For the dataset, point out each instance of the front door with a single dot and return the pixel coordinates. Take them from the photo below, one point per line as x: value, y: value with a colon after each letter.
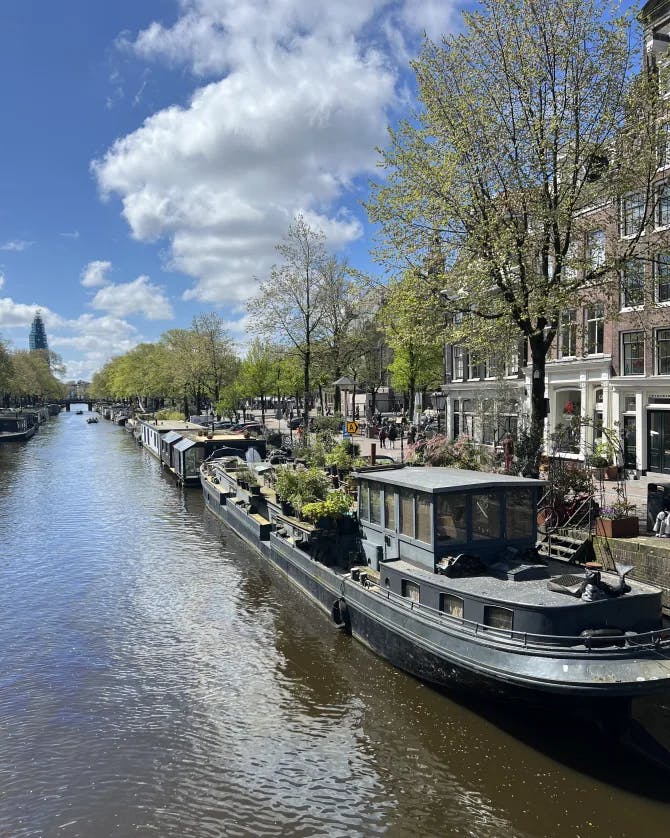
x: 629, y: 442
x: 658, y: 422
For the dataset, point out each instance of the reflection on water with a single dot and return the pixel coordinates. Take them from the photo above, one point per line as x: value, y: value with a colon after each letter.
x: 159, y: 678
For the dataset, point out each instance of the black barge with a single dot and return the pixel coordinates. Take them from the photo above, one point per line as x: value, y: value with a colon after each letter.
x: 438, y: 573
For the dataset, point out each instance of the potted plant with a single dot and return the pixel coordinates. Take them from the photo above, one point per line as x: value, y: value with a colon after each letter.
x: 618, y: 520
x: 597, y: 463
x: 325, y: 513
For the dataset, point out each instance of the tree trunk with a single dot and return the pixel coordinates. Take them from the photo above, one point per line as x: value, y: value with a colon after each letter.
x: 538, y: 407
x: 262, y: 409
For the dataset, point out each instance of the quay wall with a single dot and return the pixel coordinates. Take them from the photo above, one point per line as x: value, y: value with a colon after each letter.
x: 650, y: 560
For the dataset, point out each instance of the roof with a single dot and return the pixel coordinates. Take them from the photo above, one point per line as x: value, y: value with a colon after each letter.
x: 184, y: 444
x: 171, y: 436
x: 447, y: 479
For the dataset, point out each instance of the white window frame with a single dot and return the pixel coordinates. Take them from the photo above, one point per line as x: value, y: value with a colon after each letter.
x: 633, y: 205
x: 623, y: 353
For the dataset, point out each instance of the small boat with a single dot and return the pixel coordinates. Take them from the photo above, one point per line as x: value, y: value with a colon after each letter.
x: 79, y: 412
x: 92, y: 420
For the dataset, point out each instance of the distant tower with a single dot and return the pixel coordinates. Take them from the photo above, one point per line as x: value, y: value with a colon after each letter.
x: 38, y: 335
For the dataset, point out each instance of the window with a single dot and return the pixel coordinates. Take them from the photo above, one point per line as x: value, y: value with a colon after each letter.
x: 364, y: 502
x: 389, y: 508
x: 411, y: 590
x: 407, y: 513
x: 567, y: 341
x: 519, y: 513
x: 663, y: 352
x: 629, y: 404
x: 595, y: 249
x: 451, y: 605
x: 594, y: 329
x: 375, y: 504
x: 424, y: 518
x: 499, y: 618
x: 662, y: 277
x: 633, y: 353
x: 664, y: 78
x: 663, y: 205
x: 632, y: 283
x: 632, y: 214
x: 458, y: 361
x: 485, y: 516
x: 512, y: 364
x: 473, y: 367
x: 451, y: 518
x: 664, y: 145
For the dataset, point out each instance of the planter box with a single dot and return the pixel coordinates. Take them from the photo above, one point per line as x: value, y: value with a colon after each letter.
x: 617, y: 527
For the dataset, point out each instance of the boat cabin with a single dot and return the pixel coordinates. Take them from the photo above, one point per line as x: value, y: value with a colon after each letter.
x: 423, y: 515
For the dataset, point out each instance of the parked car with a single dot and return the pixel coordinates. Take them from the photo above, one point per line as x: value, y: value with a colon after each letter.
x: 296, y: 422
x: 248, y: 427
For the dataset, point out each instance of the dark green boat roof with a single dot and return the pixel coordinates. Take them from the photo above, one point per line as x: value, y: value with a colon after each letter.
x: 435, y: 480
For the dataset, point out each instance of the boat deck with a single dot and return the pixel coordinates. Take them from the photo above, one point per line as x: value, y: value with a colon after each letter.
x: 528, y: 593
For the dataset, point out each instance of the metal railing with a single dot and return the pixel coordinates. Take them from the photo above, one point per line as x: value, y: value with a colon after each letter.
x: 657, y: 640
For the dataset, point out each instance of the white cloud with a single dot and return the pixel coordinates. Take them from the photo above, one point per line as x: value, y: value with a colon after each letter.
x: 2, y: 279
x: 16, y: 245
x: 301, y: 95
x: 74, y: 234
x: 137, y: 297
x: 17, y: 315
x: 95, y: 274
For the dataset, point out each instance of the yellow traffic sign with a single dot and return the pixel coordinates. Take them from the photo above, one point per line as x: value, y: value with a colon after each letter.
x: 352, y: 427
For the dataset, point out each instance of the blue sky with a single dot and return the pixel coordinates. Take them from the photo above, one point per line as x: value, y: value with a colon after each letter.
x: 153, y: 152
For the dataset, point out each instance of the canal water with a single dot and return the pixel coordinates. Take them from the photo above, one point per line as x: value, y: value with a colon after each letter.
x: 157, y: 678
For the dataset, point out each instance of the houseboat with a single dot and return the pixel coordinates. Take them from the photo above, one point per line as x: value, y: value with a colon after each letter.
x: 438, y: 573
x: 182, y: 447
x: 17, y: 427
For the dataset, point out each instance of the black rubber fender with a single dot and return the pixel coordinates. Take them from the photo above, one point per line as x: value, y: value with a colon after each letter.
x: 340, y: 615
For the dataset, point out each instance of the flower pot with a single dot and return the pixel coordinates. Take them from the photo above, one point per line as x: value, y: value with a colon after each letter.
x: 255, y: 490
x: 617, y: 527
x: 612, y: 472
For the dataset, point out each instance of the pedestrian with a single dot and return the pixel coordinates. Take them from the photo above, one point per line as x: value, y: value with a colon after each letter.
x: 393, y: 434
x: 382, y: 437
x: 508, y: 451
x: 411, y: 434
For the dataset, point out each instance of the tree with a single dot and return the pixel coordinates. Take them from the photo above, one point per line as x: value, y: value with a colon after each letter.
x: 290, y: 306
x: 529, y: 116
x: 257, y: 373
x: 413, y: 336
x: 5, y: 368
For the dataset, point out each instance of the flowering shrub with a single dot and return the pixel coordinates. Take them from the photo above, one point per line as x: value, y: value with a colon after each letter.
x: 619, y: 509
x: 440, y: 451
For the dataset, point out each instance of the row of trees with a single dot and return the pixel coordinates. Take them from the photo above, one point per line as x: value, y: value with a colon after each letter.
x: 315, y: 321
x: 29, y: 377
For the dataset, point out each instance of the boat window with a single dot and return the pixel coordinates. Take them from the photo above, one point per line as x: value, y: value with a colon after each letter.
x: 497, y: 617
x: 389, y: 508
x: 519, y: 513
x: 375, y: 503
x: 451, y: 605
x: 364, y: 501
x: 451, y: 520
x: 485, y: 515
x: 406, y: 513
x: 410, y: 590
x: 387, y: 582
x: 424, y: 517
